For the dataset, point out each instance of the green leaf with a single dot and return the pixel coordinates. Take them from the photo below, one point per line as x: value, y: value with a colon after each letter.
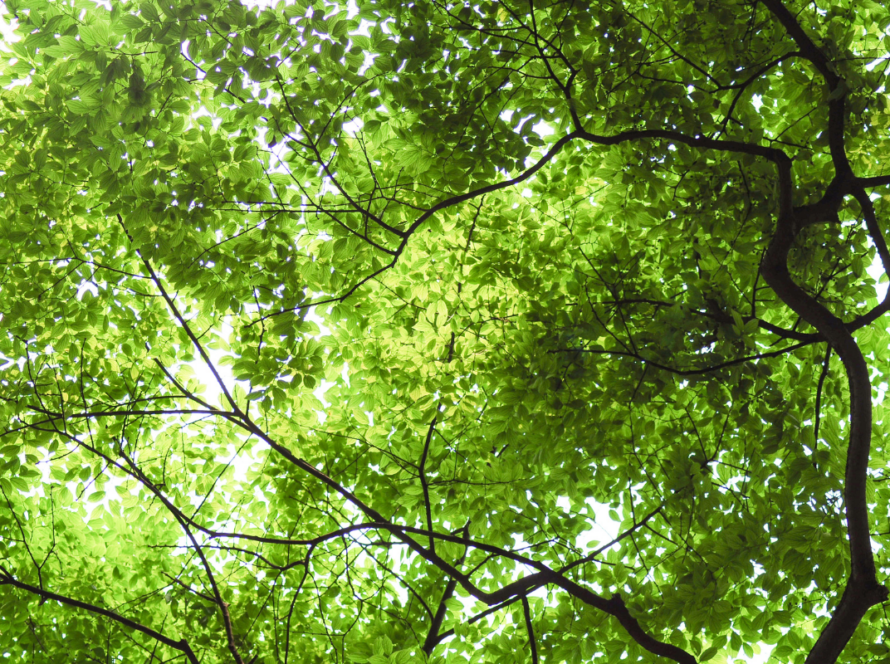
x: 332, y: 349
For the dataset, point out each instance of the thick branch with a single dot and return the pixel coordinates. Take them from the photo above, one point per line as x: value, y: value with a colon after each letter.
x: 862, y: 590
x: 182, y: 646
x: 836, y: 105
x: 702, y: 142
x: 808, y: 48
x: 876, y: 181
x: 533, y: 644
x: 433, y: 638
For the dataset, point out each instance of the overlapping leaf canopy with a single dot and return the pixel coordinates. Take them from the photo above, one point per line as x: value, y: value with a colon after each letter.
x: 572, y: 259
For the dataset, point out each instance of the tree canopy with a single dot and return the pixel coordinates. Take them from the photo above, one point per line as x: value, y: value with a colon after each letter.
x: 400, y: 332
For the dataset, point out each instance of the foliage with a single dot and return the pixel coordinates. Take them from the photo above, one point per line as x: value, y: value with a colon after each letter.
x: 571, y: 259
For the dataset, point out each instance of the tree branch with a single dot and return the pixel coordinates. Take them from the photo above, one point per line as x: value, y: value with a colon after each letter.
x: 862, y: 590
x: 533, y: 645
x: 818, y: 415
x: 425, y: 485
x: 182, y: 646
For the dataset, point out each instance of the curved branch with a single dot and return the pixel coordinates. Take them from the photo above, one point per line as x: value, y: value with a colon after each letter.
x: 862, y: 590
x: 182, y: 645
x: 871, y: 224
x: 835, y: 84
x: 425, y: 485
x: 772, y: 154
x: 807, y: 46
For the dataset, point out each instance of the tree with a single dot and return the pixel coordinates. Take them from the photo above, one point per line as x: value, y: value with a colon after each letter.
x: 570, y: 258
